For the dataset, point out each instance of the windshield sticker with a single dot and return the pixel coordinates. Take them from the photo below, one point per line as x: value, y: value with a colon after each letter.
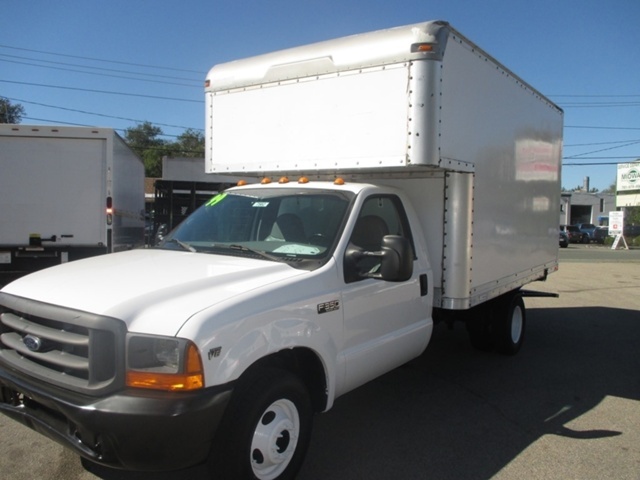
x: 217, y: 199
x: 260, y: 204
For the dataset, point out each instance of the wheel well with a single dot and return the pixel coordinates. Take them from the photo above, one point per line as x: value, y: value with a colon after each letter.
x: 477, y: 312
x: 306, y: 365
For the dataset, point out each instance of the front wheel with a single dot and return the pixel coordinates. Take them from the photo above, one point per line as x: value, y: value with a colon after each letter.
x: 266, y: 429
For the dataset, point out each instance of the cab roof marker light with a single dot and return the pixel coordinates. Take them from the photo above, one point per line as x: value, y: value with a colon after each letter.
x: 338, y: 181
x: 265, y: 181
x: 303, y: 180
x: 283, y: 180
x: 241, y: 183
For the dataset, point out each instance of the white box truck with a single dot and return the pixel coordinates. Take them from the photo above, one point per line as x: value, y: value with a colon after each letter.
x: 66, y: 193
x: 409, y: 178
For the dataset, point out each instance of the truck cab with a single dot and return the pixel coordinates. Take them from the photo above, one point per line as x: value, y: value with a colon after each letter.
x: 347, y: 258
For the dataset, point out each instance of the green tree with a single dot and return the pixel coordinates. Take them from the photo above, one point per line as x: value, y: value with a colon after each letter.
x: 190, y: 144
x: 10, y: 113
x: 144, y: 140
x: 632, y: 215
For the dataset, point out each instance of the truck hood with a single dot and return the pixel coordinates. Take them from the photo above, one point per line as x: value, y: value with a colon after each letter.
x: 150, y: 290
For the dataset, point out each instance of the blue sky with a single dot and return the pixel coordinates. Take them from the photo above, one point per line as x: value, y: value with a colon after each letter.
x: 583, y: 54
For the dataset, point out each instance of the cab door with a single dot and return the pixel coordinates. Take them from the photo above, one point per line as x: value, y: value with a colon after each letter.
x: 385, y: 323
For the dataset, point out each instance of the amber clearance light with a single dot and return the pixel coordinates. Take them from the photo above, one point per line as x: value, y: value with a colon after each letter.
x: 422, y: 47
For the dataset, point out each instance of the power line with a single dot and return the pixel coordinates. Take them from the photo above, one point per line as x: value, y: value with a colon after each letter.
x: 103, y: 91
x: 595, y: 164
x: 58, y: 122
x: 123, y: 130
x: 604, y: 149
x: 101, y: 114
x: 600, y: 105
x: 602, y: 128
x: 102, y: 60
x: 595, y: 96
x: 101, y: 74
x: 598, y: 143
x: 624, y: 157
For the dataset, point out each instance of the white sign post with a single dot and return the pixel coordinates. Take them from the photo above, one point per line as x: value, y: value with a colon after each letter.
x: 616, y: 228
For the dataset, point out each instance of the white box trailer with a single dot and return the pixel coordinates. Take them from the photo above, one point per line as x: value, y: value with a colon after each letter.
x: 66, y: 193
x: 421, y: 108
x: 412, y: 179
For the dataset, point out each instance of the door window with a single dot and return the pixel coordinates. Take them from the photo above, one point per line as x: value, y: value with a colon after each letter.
x: 380, y: 215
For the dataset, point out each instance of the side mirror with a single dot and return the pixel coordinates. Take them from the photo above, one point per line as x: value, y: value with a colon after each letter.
x: 394, y: 261
x: 163, y: 229
x: 397, y: 259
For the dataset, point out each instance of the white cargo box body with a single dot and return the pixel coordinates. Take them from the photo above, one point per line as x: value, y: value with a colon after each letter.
x: 56, y: 180
x: 420, y: 108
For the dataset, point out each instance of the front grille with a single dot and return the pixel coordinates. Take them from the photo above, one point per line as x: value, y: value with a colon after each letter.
x: 69, y: 348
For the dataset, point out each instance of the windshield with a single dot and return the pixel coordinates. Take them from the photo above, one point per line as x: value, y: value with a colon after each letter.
x: 273, y: 224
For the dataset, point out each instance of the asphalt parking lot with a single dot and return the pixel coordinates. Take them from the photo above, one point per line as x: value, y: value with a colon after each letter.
x: 566, y: 407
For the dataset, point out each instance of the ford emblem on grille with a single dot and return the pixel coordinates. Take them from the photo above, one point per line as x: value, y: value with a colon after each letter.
x: 32, y: 342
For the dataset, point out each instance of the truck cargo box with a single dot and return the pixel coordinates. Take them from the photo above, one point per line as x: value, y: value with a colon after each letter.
x: 66, y: 193
x: 420, y: 108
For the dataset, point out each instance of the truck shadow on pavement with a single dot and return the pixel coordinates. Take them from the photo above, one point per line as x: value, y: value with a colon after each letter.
x: 457, y: 413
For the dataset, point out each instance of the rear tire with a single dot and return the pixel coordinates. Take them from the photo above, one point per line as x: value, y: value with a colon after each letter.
x: 266, y: 429
x: 479, y: 328
x: 508, y: 324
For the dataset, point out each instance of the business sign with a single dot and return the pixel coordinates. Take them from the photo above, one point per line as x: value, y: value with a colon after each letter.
x: 628, y: 177
x: 616, y: 223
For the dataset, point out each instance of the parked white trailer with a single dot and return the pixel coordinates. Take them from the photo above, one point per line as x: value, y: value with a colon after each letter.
x: 409, y: 178
x: 66, y: 193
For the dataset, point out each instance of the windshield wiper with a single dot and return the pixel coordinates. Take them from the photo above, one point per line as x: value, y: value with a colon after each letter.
x: 184, y: 245
x: 263, y: 254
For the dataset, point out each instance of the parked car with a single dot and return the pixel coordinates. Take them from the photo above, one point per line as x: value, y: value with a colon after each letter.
x: 589, y: 229
x: 631, y: 231
x: 574, y: 233
x: 564, y: 239
x: 600, y: 234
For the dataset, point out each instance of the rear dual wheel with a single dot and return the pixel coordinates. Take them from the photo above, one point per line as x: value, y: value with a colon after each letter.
x: 509, y: 322
x: 500, y: 325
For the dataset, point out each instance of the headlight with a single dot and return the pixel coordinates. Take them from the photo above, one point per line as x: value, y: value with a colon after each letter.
x: 163, y: 363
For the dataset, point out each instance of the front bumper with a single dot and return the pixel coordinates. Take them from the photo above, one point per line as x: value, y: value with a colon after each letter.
x: 132, y: 430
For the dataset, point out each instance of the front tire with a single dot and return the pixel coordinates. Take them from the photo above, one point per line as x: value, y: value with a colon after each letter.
x: 266, y: 429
